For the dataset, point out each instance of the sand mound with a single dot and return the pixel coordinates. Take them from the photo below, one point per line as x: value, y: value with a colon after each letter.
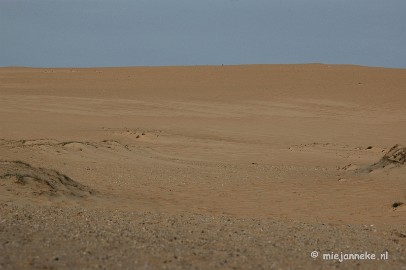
x: 21, y: 178
x: 395, y: 157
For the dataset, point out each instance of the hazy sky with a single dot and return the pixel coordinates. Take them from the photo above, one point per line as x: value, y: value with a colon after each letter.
x: 82, y: 33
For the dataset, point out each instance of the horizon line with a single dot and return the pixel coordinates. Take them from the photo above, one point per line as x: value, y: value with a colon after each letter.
x: 201, y: 65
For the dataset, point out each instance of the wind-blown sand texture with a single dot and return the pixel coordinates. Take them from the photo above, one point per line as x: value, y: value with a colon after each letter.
x: 205, y: 167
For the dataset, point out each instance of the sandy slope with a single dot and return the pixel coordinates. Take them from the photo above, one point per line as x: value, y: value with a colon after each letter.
x: 254, y: 158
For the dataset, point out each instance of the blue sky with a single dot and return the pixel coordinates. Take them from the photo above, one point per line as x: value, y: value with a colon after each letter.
x: 85, y: 33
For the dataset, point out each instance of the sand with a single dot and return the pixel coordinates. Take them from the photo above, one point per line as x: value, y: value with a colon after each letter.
x: 203, y: 167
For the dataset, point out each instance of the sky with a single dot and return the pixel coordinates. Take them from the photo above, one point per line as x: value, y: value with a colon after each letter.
x: 89, y: 33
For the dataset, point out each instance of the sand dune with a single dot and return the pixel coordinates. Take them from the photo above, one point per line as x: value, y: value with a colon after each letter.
x: 39, y: 181
x: 206, y: 167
